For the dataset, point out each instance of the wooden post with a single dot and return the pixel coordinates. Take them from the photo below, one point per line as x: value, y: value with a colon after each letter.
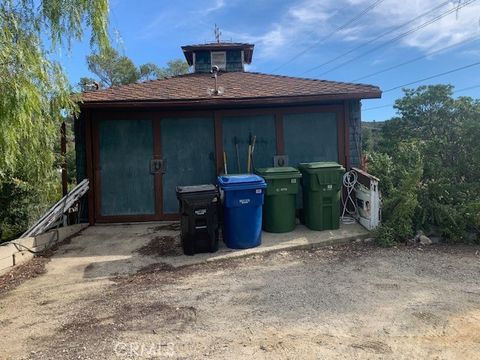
x: 63, y: 150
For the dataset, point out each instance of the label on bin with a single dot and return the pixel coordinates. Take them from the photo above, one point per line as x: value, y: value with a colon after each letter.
x: 258, y: 191
x: 200, y: 212
x: 293, y: 181
x: 244, y: 201
x: 281, y: 189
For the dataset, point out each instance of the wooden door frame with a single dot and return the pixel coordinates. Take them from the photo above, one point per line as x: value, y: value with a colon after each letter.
x: 93, y: 117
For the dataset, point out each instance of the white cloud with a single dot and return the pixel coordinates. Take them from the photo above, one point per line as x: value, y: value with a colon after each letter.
x: 307, y: 22
x: 218, y: 4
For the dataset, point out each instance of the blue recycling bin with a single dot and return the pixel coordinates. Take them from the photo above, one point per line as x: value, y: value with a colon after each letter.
x: 242, y: 210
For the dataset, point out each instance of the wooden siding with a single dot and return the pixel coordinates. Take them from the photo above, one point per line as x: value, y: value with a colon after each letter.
x: 311, y: 137
x: 203, y: 61
x: 188, y: 149
x: 127, y: 186
x: 354, y: 132
x: 234, y: 60
x: 241, y: 128
x: 270, y: 125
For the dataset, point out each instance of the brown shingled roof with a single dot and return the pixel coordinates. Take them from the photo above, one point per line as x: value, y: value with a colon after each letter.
x: 240, y: 87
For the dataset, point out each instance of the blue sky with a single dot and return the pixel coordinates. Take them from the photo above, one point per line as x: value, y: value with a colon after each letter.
x: 294, y: 37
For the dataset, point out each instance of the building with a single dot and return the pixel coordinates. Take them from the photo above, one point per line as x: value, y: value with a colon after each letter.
x: 137, y: 142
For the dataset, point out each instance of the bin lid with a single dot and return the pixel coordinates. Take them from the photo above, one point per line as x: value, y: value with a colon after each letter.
x: 320, y: 166
x: 243, y: 181
x: 196, y: 189
x: 279, y: 172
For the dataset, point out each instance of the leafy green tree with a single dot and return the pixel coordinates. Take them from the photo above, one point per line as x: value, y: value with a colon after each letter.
x: 174, y: 68
x: 34, y: 89
x: 441, y: 180
x: 113, y: 69
x: 35, y: 97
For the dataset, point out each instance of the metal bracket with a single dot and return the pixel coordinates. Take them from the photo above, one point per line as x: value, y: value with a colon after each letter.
x: 157, y: 166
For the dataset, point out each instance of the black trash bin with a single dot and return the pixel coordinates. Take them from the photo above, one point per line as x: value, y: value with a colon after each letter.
x: 199, y: 210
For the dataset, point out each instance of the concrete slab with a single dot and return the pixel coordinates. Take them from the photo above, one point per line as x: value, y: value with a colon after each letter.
x: 300, y: 238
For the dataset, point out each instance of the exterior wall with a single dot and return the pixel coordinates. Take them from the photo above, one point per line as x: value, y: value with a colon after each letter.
x: 355, y: 132
x: 192, y: 143
x: 203, y: 62
x: 311, y: 137
x: 80, y: 148
x: 234, y: 60
x: 188, y: 150
x: 239, y: 129
x: 81, y: 160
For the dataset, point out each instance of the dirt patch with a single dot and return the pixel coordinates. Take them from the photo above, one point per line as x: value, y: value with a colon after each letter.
x: 162, y: 246
x: 173, y: 227
x: 376, y: 347
x: 357, y: 300
x: 21, y: 273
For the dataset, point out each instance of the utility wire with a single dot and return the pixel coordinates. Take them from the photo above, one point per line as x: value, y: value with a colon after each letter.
x: 341, y: 27
x: 377, y: 38
x: 401, y: 36
x: 390, y: 105
x: 433, y: 76
x: 417, y: 58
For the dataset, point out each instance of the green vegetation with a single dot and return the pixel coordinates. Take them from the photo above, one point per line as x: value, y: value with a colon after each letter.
x: 427, y: 160
x: 35, y: 97
x: 113, y: 69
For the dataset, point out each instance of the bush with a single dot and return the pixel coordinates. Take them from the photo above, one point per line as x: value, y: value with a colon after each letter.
x: 429, y: 178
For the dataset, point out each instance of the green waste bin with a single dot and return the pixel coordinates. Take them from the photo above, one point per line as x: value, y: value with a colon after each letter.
x: 321, y: 186
x: 280, y: 198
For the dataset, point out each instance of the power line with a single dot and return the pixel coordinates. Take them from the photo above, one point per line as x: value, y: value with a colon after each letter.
x: 390, y: 105
x: 377, y: 38
x: 434, y: 76
x: 475, y: 38
x: 401, y: 36
x: 341, y: 27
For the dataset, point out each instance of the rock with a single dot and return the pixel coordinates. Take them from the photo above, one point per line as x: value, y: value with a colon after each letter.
x: 435, y: 239
x: 424, y: 240
x: 368, y: 240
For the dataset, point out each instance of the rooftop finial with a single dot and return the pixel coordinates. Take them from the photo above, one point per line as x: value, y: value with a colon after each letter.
x: 217, y: 33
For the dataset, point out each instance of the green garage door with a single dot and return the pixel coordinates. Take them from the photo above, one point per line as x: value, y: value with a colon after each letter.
x: 240, y: 128
x: 126, y: 148
x: 311, y: 137
x: 188, y: 149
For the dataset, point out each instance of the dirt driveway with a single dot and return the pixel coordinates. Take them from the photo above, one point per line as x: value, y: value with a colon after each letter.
x: 355, y: 301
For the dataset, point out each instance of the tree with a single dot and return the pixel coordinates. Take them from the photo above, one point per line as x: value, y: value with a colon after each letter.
x: 113, y: 69
x: 442, y: 180
x: 174, y: 68
x: 34, y: 89
x: 35, y: 96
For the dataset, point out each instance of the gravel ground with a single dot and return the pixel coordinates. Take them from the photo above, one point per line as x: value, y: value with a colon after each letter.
x: 350, y: 302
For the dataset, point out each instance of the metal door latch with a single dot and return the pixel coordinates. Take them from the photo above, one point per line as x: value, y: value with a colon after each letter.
x: 157, y: 166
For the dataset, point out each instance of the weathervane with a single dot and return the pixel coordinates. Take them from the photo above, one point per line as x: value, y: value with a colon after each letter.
x: 217, y: 33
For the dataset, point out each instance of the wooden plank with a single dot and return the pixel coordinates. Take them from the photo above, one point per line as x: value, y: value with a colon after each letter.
x: 218, y: 142
x: 126, y: 150
x: 279, y: 133
x: 157, y: 154
x: 188, y: 149
x: 89, y: 167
